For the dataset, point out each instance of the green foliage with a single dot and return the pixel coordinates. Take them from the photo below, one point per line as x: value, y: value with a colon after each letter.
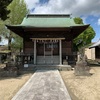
x: 78, y: 20
x: 85, y: 37
x: 17, y: 43
x: 2, y: 29
x: 18, y: 10
x: 3, y: 9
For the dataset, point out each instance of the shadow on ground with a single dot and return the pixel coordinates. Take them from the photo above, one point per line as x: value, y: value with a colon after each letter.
x: 13, y: 74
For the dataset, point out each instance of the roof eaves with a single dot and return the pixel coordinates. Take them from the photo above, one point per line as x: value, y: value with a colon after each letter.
x: 48, y: 15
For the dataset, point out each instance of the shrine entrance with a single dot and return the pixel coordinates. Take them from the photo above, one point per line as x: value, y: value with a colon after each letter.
x: 47, y: 51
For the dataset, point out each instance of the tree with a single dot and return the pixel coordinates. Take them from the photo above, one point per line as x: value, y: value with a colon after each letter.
x: 2, y: 29
x: 3, y: 9
x: 3, y: 13
x: 78, y: 20
x: 17, y: 44
x: 85, y: 37
x: 80, y: 42
x: 18, y: 10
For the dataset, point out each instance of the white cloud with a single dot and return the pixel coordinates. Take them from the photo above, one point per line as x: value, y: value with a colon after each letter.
x: 99, y: 21
x: 31, y: 3
x: 74, y: 7
x: 84, y: 19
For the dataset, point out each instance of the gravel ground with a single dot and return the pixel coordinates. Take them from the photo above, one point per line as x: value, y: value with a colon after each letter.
x: 80, y: 87
x: 9, y: 86
x: 83, y: 87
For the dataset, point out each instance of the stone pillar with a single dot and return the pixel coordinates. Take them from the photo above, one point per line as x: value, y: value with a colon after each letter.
x: 60, y: 51
x: 34, y: 51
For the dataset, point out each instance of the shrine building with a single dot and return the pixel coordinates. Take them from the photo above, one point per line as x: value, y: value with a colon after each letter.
x: 47, y: 39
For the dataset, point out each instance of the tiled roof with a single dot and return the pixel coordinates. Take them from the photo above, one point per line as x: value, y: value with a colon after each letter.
x: 48, y: 21
x: 95, y: 44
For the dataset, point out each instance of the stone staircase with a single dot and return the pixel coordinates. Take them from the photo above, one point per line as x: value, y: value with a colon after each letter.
x: 32, y: 67
x: 47, y: 60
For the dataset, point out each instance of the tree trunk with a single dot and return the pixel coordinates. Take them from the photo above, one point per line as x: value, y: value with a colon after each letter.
x: 9, y: 42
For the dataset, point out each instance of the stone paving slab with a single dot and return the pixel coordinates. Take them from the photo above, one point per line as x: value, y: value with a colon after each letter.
x: 43, y: 85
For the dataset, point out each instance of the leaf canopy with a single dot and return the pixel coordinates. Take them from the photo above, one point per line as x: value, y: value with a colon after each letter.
x: 3, y: 9
x: 85, y: 37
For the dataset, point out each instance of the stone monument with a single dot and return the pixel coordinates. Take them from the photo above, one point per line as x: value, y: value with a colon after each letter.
x: 81, y: 67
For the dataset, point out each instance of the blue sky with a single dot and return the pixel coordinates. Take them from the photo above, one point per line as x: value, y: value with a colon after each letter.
x: 88, y: 10
x: 93, y: 21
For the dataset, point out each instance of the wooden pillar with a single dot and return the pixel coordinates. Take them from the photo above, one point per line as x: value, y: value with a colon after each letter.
x: 0, y: 58
x: 44, y: 52
x: 60, y: 51
x: 34, y: 51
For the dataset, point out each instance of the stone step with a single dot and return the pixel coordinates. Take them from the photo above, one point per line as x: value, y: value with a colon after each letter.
x: 65, y: 67
x: 47, y: 60
x: 60, y: 67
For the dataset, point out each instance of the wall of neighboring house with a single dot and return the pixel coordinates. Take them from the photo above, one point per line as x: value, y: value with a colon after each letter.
x: 97, y: 52
x: 90, y: 53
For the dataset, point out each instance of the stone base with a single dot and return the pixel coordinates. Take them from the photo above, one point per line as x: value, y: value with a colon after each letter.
x: 65, y: 62
x: 8, y: 74
x: 81, y: 68
x: 65, y: 67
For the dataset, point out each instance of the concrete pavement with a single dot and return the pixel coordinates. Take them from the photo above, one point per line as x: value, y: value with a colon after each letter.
x: 43, y: 85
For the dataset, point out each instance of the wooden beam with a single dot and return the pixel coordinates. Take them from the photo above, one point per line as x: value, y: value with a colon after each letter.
x: 47, y: 38
x: 28, y: 29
